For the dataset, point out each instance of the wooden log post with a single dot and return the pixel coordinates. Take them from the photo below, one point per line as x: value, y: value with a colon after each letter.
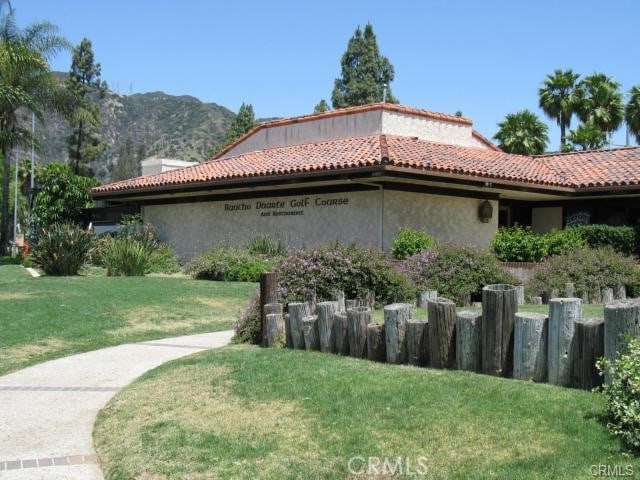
x: 268, y: 309
x: 468, y: 341
x: 588, y: 347
x: 530, y: 338
x: 396, y: 317
x: 536, y: 300
x: 607, y: 295
x: 424, y: 296
x: 268, y: 295
x: 338, y: 296
x: 620, y: 292
x: 310, y: 298
x: 621, y: 319
x: 569, y: 290
x: 326, y: 312
x: 520, y: 294
x: 595, y: 295
x: 442, y: 332
x: 585, y: 297
x: 350, y: 303
x: 287, y: 331
x: 297, y: 311
x: 563, y: 315
x: 367, y: 299
x: 275, y: 330
x: 310, y: 332
x: 357, y: 320
x: 499, y: 307
x: 376, y: 348
x: 341, y: 335
x: 418, y: 342
x: 464, y: 300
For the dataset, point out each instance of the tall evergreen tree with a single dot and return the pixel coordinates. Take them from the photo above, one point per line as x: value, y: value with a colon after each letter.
x: 523, y: 133
x: 559, y: 97
x: 244, y: 121
x: 84, y: 143
x: 322, y: 106
x: 128, y: 164
x: 632, y: 113
x: 365, y: 72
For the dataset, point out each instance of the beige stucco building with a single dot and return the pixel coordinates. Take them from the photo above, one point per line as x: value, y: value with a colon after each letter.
x: 360, y: 174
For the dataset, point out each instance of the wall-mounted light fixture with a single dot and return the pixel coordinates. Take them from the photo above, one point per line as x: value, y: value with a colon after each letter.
x: 485, y: 212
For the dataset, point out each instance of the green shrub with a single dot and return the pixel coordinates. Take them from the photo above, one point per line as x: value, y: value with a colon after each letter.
x: 587, y: 268
x: 127, y: 256
x: 455, y: 271
x: 621, y: 239
x: 353, y: 269
x: 409, y: 242
x: 61, y: 249
x: 163, y: 260
x: 562, y: 241
x: 622, y: 395
x: 267, y: 245
x: 9, y: 260
x: 230, y: 265
x: 28, y: 262
x: 248, y: 328
x: 519, y: 244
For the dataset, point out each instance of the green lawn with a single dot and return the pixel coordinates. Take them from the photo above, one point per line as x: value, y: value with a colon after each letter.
x: 249, y: 413
x: 50, y: 317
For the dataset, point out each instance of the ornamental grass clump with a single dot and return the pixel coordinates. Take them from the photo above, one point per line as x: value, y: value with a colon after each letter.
x: 61, y: 249
x: 127, y: 256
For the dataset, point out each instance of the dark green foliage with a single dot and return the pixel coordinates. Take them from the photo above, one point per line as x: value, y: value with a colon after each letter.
x: 322, y: 106
x: 455, y: 271
x: 248, y: 328
x: 126, y: 256
x: 63, y: 195
x: 365, y: 72
x: 128, y: 164
x: 353, y: 269
x: 9, y: 260
x: 522, y: 133
x: 163, y: 260
x: 621, y: 238
x: 61, y: 249
x: 559, y: 98
x: 562, y: 241
x: 230, y: 265
x: 586, y: 137
x: 244, y: 121
x: 267, y: 245
x: 623, y: 394
x: 409, y: 241
x: 632, y: 112
x: 519, y: 244
x: 85, y: 144
x: 600, y: 102
x: 587, y: 268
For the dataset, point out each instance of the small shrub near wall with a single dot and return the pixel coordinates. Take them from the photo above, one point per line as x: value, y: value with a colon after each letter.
x: 409, y: 242
x: 519, y: 244
x: 588, y: 269
x: 622, y: 239
x: 229, y: 264
x: 61, y: 249
x: 126, y: 256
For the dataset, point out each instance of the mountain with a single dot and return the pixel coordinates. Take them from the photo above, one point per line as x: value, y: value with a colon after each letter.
x: 171, y: 126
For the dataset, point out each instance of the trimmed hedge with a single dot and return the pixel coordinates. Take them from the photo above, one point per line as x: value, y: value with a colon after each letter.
x: 230, y: 265
x: 622, y: 239
x: 409, y: 242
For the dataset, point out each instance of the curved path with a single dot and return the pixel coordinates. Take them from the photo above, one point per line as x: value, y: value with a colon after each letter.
x: 47, y: 411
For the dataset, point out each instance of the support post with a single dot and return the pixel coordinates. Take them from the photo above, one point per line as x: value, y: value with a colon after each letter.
x: 268, y: 295
x: 563, y: 315
x: 442, y: 331
x: 588, y: 347
x: 418, y: 342
x: 530, y: 346
x: 499, y: 307
x: 469, y: 341
x: 297, y: 311
x: 326, y: 319
x: 376, y: 348
x: 358, y: 319
x: 396, y: 317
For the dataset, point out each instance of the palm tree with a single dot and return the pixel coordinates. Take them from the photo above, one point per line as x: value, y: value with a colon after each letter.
x: 601, y: 102
x: 632, y: 112
x: 559, y: 98
x: 522, y: 132
x: 26, y: 84
x: 586, y: 137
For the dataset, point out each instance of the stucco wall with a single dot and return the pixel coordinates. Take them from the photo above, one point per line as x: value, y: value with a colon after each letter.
x: 545, y: 219
x: 192, y: 228
x: 448, y: 219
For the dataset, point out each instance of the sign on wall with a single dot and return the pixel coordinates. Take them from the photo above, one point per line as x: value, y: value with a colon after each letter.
x: 278, y: 208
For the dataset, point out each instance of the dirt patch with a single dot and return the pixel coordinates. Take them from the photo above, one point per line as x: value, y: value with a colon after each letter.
x: 8, y: 296
x: 24, y: 353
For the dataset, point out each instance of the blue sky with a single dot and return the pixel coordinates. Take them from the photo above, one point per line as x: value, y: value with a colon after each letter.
x: 485, y: 58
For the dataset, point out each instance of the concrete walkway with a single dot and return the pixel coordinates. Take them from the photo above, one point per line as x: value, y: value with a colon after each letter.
x: 47, y: 411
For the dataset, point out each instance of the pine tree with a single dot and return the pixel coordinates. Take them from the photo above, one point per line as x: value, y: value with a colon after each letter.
x: 84, y: 143
x: 244, y: 121
x: 322, y: 106
x: 365, y: 72
x: 128, y: 165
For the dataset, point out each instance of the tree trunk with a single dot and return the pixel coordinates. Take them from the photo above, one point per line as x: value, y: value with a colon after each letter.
x: 338, y: 296
x: 468, y: 341
x: 268, y: 295
x: 275, y: 330
x: 588, y: 347
x: 423, y: 297
x: 310, y: 332
x: 326, y: 311
x: 418, y: 342
x: 4, y: 216
x: 297, y: 311
x: 499, y: 307
x: 268, y: 309
x: 607, y: 295
x: 621, y: 319
x: 530, y: 346
x: 348, y: 304
x: 563, y: 314
x: 442, y: 333
x: 341, y: 328
x: 376, y: 348
x: 396, y: 317
x: 357, y: 320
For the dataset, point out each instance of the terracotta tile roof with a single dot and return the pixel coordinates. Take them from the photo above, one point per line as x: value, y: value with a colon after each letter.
x: 606, y: 168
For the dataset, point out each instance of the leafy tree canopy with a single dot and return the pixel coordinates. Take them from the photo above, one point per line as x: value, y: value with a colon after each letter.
x: 559, y: 97
x: 365, y: 72
x: 244, y: 121
x: 632, y: 112
x: 322, y: 106
x: 523, y: 133
x: 600, y: 102
x: 586, y: 137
